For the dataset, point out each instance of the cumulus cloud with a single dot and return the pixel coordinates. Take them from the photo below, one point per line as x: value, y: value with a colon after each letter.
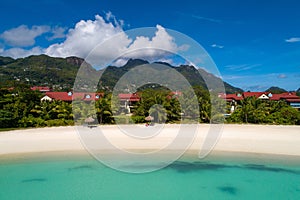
x: 57, y: 33
x: 157, y: 46
x: 293, y: 39
x: 85, y: 36
x: 101, y: 41
x: 23, y: 36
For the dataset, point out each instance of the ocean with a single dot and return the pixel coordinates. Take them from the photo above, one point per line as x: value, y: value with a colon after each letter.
x: 83, y: 177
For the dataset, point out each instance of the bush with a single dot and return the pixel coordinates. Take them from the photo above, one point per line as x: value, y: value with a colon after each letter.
x: 59, y: 122
x: 138, y: 119
x: 31, y: 121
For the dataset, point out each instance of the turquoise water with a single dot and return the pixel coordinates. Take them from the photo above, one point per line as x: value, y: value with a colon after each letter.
x: 85, y: 178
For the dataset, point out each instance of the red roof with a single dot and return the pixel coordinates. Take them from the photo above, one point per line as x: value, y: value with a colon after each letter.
x: 255, y: 94
x: 288, y: 96
x: 129, y: 97
x: 236, y: 97
x: 230, y: 97
x: 69, y: 96
x: 40, y: 88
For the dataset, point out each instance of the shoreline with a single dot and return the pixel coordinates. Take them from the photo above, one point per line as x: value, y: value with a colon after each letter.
x: 257, y: 141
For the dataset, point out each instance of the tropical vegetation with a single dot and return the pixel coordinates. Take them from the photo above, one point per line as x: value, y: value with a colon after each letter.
x: 21, y: 107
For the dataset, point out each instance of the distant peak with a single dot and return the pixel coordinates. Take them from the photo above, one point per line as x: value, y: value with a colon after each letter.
x: 75, y: 60
x: 163, y: 63
x: 131, y: 60
x: 135, y: 62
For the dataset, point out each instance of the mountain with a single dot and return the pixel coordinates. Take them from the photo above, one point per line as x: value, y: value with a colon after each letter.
x: 5, y: 60
x: 195, y: 76
x: 60, y: 73
x: 276, y: 90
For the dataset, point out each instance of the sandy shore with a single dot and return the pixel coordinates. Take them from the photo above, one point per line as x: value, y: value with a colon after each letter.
x: 257, y: 139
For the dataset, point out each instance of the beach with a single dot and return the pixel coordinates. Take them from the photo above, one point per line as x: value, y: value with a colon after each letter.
x: 247, y: 162
x: 242, y: 139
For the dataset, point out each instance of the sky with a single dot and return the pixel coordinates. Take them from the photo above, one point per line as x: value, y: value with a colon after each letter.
x: 254, y: 44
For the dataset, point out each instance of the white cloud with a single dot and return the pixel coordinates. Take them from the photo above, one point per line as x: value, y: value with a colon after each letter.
x: 23, y: 36
x: 113, y: 41
x: 85, y: 36
x: 159, y: 45
x: 217, y: 46
x: 110, y: 17
x: 58, y: 32
x: 293, y: 39
x: 21, y: 53
x: 119, y: 62
x: 99, y: 41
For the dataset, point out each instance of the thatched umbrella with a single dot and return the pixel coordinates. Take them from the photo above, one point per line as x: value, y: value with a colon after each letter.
x: 89, y: 120
x: 149, y: 118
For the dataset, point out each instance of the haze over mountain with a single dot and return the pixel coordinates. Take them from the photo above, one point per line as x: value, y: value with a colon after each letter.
x: 60, y: 73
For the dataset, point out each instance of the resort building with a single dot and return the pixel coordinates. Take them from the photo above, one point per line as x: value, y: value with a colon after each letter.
x: 69, y: 96
x: 128, y: 101
x: 290, y: 97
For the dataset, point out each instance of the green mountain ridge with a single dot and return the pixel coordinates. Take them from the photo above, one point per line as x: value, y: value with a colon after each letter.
x: 60, y: 73
x: 112, y: 74
x: 276, y: 90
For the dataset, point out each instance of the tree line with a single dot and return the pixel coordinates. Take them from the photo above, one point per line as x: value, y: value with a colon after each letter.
x: 21, y: 107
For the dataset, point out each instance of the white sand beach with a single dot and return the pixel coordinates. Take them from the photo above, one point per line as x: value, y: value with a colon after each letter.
x: 257, y: 139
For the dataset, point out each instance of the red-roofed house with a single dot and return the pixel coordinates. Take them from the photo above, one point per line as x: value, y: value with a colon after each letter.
x: 69, y: 96
x: 128, y: 101
x: 290, y: 97
x: 258, y: 95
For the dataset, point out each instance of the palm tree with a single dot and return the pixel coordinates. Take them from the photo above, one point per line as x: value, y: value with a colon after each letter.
x: 247, y: 108
x: 103, y: 110
x: 158, y: 112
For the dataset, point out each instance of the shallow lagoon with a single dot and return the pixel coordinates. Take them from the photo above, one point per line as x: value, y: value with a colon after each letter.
x: 82, y: 177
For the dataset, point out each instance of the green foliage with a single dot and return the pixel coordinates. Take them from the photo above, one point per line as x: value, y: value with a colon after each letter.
x: 58, y: 73
x: 259, y: 111
x: 6, y: 119
x: 158, y: 104
x: 138, y: 119
x: 22, y: 107
x: 59, y: 122
x: 103, y: 110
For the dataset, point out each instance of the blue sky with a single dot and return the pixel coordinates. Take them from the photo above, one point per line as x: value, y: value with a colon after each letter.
x: 255, y: 44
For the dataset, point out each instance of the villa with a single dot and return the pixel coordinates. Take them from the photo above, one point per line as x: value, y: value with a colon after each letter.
x: 69, y: 96
x: 290, y: 97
